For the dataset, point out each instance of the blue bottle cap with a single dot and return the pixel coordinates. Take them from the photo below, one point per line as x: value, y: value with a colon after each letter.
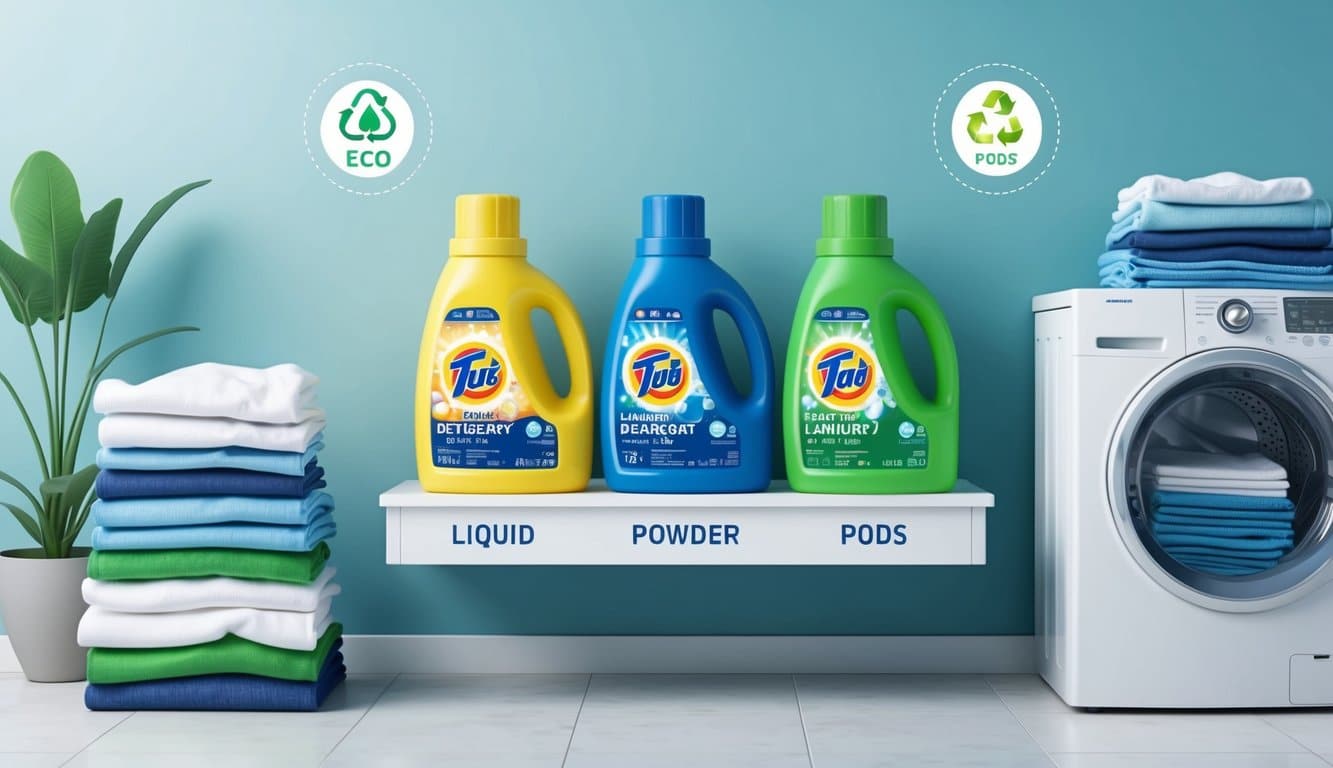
x: 673, y: 225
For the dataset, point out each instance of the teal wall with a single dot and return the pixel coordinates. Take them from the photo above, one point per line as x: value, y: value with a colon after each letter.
x: 581, y: 108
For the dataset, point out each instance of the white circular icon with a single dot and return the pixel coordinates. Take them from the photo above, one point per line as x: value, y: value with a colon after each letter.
x: 996, y: 128
x: 367, y: 129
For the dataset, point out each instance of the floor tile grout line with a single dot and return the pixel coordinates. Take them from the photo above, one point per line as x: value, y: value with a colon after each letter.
x: 89, y: 745
x: 369, y: 707
x: 569, y: 744
x: 800, y: 715
x: 986, y: 679
x: 1298, y: 742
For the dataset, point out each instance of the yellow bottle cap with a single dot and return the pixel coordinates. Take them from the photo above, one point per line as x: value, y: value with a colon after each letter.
x: 486, y: 225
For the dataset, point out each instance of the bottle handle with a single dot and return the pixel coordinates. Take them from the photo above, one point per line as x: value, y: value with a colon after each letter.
x: 551, y: 299
x: 942, y: 350
x: 759, y: 353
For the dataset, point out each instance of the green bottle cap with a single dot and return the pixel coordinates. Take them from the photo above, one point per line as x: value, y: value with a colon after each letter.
x: 855, y: 225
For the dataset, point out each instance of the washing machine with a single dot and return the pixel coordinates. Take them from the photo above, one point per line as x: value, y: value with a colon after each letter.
x: 1119, y: 622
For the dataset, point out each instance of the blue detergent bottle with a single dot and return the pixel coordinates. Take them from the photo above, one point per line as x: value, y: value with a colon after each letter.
x: 673, y: 420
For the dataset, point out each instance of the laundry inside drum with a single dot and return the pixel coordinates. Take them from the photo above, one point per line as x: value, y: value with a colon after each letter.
x: 1227, y: 481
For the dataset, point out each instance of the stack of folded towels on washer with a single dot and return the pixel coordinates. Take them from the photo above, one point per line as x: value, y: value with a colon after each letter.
x: 1220, y: 513
x: 1219, y: 231
x: 209, y: 585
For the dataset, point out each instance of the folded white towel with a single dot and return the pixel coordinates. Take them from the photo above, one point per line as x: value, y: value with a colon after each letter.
x: 296, y: 630
x: 1225, y: 188
x: 135, y: 430
x: 283, y: 394
x: 172, y: 595
x: 1222, y: 485
x: 1169, y: 462
x: 1208, y: 487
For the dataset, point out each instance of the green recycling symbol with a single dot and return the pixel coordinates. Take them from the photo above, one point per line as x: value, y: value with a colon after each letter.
x: 1002, y: 105
x: 374, y: 116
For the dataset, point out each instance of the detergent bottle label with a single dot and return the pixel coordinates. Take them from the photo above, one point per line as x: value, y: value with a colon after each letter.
x: 481, y: 417
x: 849, y: 419
x: 665, y: 418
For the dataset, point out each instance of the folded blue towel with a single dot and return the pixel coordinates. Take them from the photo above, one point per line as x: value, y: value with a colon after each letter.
x: 1126, y: 275
x: 1233, y: 518
x: 1245, y: 254
x: 1223, y: 530
x: 1168, y: 540
x: 281, y: 538
x: 243, y: 693
x: 1138, y: 257
x: 1224, y: 569
x: 1156, y: 216
x: 167, y: 460
x: 1235, y: 562
x: 209, y: 510
x: 134, y: 484
x: 1210, y: 238
x: 1265, y: 556
x: 1127, y: 270
x: 1211, y: 501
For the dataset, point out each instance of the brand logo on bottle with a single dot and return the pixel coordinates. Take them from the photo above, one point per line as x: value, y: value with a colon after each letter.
x: 474, y: 373
x: 657, y: 373
x: 842, y: 374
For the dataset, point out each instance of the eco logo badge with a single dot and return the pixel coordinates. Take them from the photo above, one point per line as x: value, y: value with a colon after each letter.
x: 364, y: 128
x: 997, y: 128
x: 360, y: 131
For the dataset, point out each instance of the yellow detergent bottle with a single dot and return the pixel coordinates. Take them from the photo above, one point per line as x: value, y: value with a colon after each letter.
x: 488, y: 419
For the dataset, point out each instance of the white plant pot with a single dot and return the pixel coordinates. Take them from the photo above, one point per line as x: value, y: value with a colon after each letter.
x: 41, y: 601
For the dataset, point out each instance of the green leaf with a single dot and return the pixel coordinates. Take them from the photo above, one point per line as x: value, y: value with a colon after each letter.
x: 26, y: 287
x: 127, y: 346
x: 13, y: 481
x: 91, y: 265
x: 26, y: 520
x: 136, y: 237
x: 45, y: 204
x: 73, y: 488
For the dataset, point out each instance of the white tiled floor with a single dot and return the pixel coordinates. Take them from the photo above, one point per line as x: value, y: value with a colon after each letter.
x: 657, y: 721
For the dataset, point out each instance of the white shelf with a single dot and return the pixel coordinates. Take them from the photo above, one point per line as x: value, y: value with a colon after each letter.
x: 602, y: 527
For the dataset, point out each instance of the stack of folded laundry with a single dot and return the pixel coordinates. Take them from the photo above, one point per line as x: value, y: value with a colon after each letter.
x: 1223, y: 230
x: 1219, y: 513
x: 209, y: 585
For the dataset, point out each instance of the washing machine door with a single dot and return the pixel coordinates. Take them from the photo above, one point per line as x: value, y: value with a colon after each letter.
x: 1235, y: 401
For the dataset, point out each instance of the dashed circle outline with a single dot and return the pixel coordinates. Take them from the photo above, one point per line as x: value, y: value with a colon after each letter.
x: 935, y: 139
x: 305, y: 127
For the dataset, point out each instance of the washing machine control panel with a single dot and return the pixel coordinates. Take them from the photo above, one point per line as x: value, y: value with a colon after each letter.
x: 1299, y: 326
x: 1308, y: 315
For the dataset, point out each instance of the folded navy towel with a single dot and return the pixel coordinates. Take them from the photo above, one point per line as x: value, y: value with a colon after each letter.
x: 1211, y: 501
x: 1209, y: 238
x: 129, y: 484
x: 246, y: 693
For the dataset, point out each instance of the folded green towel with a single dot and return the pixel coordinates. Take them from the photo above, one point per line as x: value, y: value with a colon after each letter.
x: 127, y: 565
x: 231, y: 655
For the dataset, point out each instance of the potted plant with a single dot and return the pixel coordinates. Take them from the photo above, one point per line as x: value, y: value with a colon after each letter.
x: 66, y: 267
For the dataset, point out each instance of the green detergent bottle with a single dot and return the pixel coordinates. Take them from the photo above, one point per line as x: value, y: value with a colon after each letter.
x: 854, y: 420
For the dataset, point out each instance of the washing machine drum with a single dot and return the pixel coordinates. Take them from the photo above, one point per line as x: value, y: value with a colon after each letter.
x: 1242, y: 403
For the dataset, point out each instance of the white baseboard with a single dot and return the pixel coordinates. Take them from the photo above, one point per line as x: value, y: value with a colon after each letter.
x: 424, y: 654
